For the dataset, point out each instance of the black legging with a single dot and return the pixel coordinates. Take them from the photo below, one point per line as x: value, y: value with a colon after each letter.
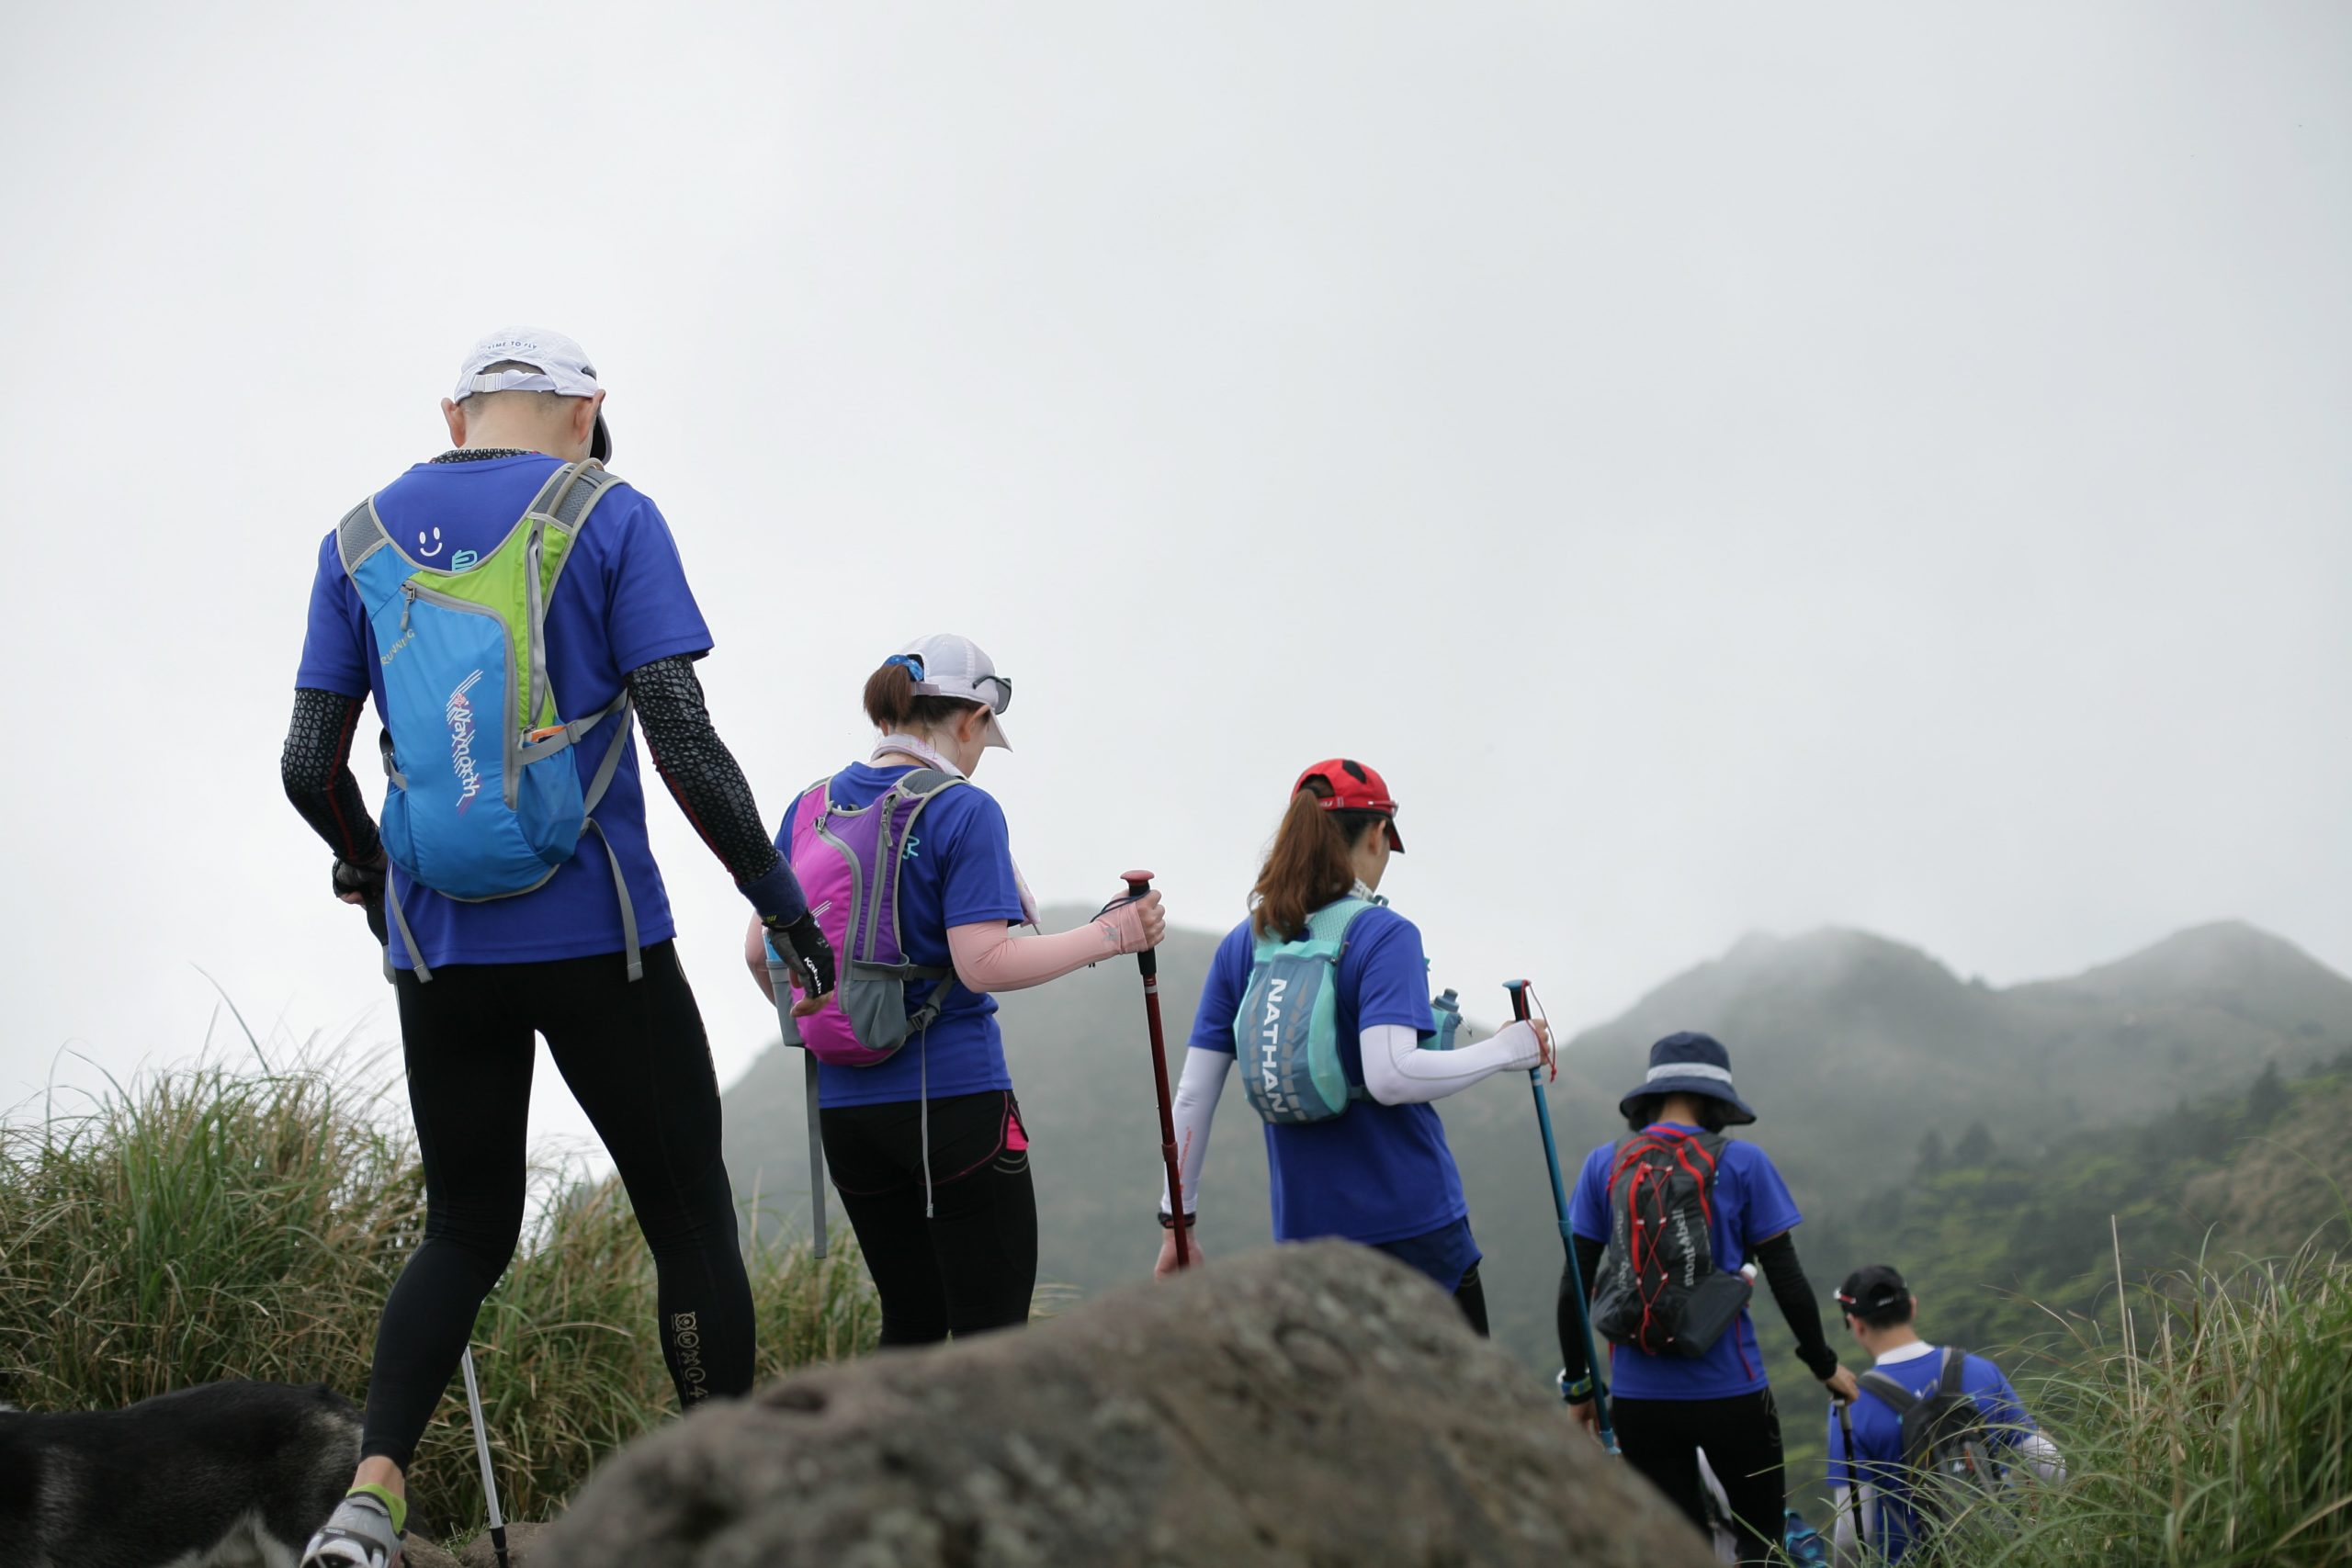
x: 972, y: 1265
x: 1741, y: 1437
x: 635, y: 1057
x: 1471, y: 1297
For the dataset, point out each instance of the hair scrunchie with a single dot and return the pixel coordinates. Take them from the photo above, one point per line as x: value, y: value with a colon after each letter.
x: 910, y: 662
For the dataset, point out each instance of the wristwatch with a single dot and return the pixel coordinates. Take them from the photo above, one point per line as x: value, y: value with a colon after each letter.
x: 1167, y: 1221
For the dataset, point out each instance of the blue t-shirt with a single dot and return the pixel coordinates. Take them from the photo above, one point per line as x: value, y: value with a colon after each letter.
x: 621, y: 603
x: 1877, y: 1435
x: 1375, y: 1172
x: 1751, y: 1206
x: 958, y: 871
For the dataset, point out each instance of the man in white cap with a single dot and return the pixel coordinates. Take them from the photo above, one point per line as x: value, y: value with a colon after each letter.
x: 582, y: 954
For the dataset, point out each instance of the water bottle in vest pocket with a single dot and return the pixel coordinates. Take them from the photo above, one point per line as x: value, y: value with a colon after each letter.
x: 1445, y: 1020
x: 1286, y: 1032
x: 483, y: 798
x: 847, y: 861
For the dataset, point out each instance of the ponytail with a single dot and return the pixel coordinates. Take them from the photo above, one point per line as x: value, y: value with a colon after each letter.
x: 1310, y: 864
x: 894, y: 704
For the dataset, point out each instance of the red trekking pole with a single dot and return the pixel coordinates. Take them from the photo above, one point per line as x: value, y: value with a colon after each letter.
x: 1139, y: 884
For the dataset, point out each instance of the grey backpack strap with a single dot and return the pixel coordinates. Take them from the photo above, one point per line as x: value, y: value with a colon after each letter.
x: 359, y: 536
x: 620, y: 888
x: 572, y: 492
x: 1887, y: 1389
x: 408, y: 937
x: 1955, y: 1365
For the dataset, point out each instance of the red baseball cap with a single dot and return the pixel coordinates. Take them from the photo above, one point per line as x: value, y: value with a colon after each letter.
x: 1354, y: 787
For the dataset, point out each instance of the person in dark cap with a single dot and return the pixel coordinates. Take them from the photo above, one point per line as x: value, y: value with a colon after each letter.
x: 1672, y: 1223
x: 1871, y: 1485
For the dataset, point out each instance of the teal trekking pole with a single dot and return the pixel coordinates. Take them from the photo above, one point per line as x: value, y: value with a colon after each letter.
x: 1608, y: 1433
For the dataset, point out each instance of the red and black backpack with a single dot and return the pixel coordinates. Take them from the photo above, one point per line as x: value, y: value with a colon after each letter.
x: 1659, y: 1289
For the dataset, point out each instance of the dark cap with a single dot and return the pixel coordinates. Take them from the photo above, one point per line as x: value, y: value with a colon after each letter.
x: 1871, y: 1290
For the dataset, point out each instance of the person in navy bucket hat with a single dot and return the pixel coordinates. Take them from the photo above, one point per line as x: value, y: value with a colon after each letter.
x: 1691, y: 1063
x: 1687, y: 1378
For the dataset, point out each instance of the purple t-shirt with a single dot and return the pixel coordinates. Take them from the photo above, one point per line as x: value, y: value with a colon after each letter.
x: 1373, y: 1173
x: 621, y: 603
x: 1751, y: 1206
x: 958, y: 871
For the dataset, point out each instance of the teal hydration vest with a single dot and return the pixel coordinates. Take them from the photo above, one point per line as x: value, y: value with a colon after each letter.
x: 1286, y: 1033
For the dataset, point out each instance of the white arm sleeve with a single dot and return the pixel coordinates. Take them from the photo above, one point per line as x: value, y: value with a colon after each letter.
x: 1396, y: 1071
x: 2042, y: 1454
x: 1196, y: 1096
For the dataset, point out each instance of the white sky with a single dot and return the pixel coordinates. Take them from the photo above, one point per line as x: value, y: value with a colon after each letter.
x: 1753, y: 467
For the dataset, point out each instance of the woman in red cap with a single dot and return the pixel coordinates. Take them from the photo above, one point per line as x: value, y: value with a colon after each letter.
x: 1364, y: 1156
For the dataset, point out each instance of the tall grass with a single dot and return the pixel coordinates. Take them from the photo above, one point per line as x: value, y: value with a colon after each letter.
x: 2208, y: 1424
x: 199, y: 1224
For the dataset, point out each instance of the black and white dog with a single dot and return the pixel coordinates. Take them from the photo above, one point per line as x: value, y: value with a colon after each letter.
x: 228, y: 1475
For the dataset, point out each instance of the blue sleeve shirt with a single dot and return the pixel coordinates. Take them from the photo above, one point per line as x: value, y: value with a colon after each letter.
x: 1374, y: 1173
x: 622, y: 601
x: 958, y: 871
x: 1877, y: 1458
x: 1752, y: 1205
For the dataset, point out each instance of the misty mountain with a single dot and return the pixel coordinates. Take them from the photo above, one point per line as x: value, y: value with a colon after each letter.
x: 1852, y: 1049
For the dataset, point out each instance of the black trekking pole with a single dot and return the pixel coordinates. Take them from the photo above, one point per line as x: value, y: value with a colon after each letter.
x: 481, y: 1450
x: 780, y: 985
x: 1138, y: 883
x: 1853, y: 1474
x: 1601, y: 1428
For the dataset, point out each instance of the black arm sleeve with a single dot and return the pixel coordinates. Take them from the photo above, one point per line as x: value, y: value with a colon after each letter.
x: 315, y: 768
x: 700, y: 770
x: 1571, y: 1334
x: 1778, y: 1258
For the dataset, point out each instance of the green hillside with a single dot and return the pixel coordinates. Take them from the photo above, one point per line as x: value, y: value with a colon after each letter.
x: 2018, y: 1255
x: 1853, y: 1050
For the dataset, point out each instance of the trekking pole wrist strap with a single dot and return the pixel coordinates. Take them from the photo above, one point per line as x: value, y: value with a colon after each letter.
x: 1167, y: 1221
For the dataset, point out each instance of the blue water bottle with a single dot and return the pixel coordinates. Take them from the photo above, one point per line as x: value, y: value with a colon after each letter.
x: 1445, y: 1017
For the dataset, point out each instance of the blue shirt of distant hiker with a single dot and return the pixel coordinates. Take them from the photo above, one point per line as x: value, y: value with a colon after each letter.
x: 621, y: 603
x: 1878, y: 1436
x: 958, y: 871
x: 1751, y: 1206
x: 1374, y: 1173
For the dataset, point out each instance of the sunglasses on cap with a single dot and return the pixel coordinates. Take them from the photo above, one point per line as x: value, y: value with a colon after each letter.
x: 993, y: 689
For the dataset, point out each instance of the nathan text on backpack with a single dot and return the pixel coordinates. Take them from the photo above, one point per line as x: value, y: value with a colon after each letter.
x: 1658, y: 1290
x: 1286, y: 1031
x: 1949, y: 1472
x: 847, y: 861
x: 484, y: 798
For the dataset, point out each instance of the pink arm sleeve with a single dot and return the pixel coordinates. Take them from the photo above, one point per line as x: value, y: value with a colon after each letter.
x: 989, y: 957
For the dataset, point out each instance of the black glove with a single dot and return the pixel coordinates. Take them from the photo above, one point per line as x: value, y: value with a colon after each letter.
x: 367, y: 881
x: 806, y: 954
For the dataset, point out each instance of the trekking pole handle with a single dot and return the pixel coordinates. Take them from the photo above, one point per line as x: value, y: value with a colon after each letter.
x: 1517, y: 990
x: 1138, y: 883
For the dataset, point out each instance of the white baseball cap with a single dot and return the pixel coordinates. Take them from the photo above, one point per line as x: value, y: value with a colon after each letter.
x: 945, y: 665
x: 560, y: 365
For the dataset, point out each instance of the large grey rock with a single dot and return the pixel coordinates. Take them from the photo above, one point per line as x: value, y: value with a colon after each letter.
x: 1318, y: 1406
x: 523, y: 1546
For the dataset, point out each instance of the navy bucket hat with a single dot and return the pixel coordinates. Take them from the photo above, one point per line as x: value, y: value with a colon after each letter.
x: 1691, y: 1063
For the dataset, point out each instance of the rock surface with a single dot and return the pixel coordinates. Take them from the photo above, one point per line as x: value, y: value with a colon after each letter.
x: 1318, y: 1405
x: 523, y: 1546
